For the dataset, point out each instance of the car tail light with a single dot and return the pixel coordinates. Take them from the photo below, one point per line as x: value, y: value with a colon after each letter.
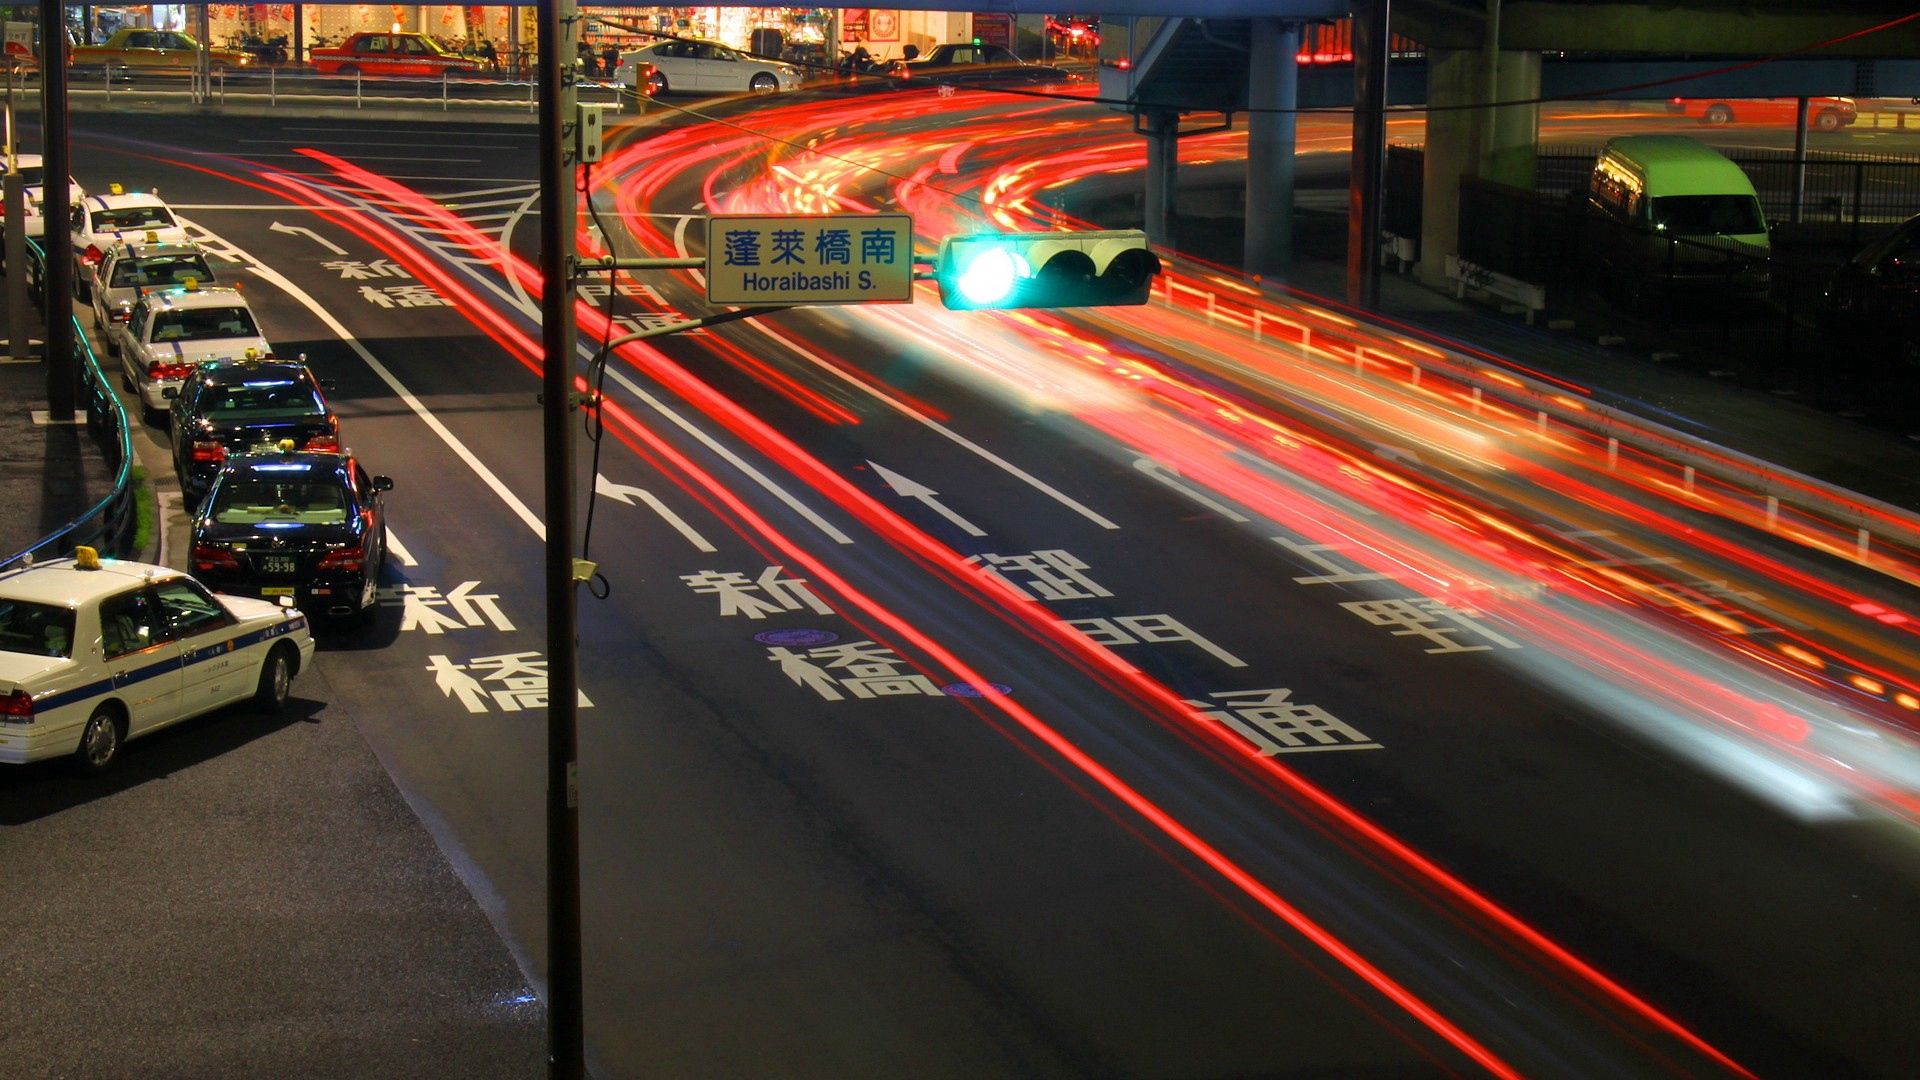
x: 162, y: 369
x: 326, y: 443
x: 120, y: 315
x: 212, y: 557
x: 92, y: 255
x: 346, y: 558
x: 208, y: 453
x: 17, y: 708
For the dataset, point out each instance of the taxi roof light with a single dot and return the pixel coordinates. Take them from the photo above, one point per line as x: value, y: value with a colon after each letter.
x: 286, y: 446
x: 86, y: 558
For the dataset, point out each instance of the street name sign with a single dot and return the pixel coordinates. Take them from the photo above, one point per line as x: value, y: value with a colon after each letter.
x: 809, y: 259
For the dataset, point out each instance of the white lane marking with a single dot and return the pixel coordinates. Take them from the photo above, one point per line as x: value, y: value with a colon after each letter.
x: 1169, y: 476
x: 302, y: 230
x: 904, y: 409
x: 626, y: 493
x: 913, y: 489
x: 426, y: 416
x: 713, y: 444
x: 400, y: 550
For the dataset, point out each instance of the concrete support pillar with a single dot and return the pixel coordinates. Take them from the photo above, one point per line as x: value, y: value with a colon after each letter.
x: 1509, y: 156
x: 1162, y: 130
x: 1495, y: 144
x: 1273, y: 91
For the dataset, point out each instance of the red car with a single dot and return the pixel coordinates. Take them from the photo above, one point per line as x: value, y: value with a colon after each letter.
x: 1823, y: 113
x: 384, y: 53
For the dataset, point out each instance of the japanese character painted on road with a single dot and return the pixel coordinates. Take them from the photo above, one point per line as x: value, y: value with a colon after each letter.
x: 1276, y: 725
x: 355, y: 270
x: 770, y: 594
x: 1148, y: 630
x: 1053, y: 574
x: 423, y: 608
x: 1335, y: 573
x: 1432, y: 619
x: 512, y: 681
x: 863, y: 668
x: 405, y: 296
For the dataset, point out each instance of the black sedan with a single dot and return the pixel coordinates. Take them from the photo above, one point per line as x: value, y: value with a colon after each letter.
x: 228, y: 408
x: 980, y: 65
x: 305, y: 525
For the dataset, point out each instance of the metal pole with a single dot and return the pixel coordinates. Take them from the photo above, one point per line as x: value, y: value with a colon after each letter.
x: 1799, y: 160
x: 559, y: 26
x: 1369, y: 152
x: 56, y: 159
x: 15, y: 193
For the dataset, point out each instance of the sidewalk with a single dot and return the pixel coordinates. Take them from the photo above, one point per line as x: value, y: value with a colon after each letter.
x: 243, y: 896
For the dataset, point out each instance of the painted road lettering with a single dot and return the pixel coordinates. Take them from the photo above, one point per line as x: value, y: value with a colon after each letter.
x: 423, y: 607
x: 769, y: 594
x: 1276, y: 724
x: 511, y: 682
x: 865, y: 669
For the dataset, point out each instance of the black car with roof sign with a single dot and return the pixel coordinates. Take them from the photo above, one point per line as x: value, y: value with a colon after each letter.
x: 310, y: 526
x: 229, y: 408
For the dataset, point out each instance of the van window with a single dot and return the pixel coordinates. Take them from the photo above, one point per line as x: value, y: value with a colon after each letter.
x: 1708, y: 215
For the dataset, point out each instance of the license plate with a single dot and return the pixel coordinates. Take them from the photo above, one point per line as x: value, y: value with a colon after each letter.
x: 277, y: 564
x: 277, y: 590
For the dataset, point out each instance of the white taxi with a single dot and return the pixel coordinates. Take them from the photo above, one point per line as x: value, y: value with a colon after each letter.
x: 170, y: 331
x: 101, y: 221
x: 34, y: 181
x: 94, y: 652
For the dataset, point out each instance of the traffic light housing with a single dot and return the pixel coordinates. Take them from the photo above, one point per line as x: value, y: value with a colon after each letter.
x: 1045, y: 270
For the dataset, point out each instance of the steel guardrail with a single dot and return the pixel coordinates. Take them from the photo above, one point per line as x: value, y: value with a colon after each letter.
x: 108, y: 523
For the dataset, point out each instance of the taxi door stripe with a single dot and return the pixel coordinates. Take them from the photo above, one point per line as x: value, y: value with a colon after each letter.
x: 179, y: 662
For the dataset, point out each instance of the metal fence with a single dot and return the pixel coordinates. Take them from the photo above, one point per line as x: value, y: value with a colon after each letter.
x: 108, y: 524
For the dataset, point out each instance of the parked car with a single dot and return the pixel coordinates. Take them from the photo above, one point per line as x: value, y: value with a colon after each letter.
x: 33, y: 179
x: 94, y: 652
x: 1670, y: 210
x: 704, y: 67
x: 1869, y: 313
x: 101, y: 221
x: 385, y: 53
x: 127, y: 271
x: 1824, y: 113
x: 312, y: 526
x: 171, y: 331
x: 143, y: 49
x: 979, y: 65
x: 225, y: 410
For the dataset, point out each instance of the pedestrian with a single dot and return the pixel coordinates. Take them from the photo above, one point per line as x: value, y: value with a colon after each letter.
x: 610, y: 57
x: 488, y: 54
x: 587, y: 60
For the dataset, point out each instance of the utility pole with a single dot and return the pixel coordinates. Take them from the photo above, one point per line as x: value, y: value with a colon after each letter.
x: 1370, y: 43
x: 558, y: 69
x: 15, y: 194
x: 63, y: 372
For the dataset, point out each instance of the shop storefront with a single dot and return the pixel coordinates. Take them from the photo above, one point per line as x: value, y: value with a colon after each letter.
x: 806, y: 35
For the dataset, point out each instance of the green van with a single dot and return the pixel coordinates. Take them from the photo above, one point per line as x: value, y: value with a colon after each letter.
x: 1676, y: 213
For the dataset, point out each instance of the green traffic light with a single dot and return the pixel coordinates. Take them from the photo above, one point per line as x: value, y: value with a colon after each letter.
x: 988, y: 277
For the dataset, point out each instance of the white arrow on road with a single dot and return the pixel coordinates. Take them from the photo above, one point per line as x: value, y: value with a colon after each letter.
x: 300, y: 230
x: 909, y: 489
x: 626, y: 493
x: 1171, y: 477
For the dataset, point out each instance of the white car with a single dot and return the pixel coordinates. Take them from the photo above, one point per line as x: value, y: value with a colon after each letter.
x: 34, y: 180
x: 171, y: 331
x: 101, y: 221
x: 704, y: 67
x: 94, y: 652
x: 128, y: 271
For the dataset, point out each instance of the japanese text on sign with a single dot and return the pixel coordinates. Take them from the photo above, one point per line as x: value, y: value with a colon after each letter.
x: 797, y: 259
